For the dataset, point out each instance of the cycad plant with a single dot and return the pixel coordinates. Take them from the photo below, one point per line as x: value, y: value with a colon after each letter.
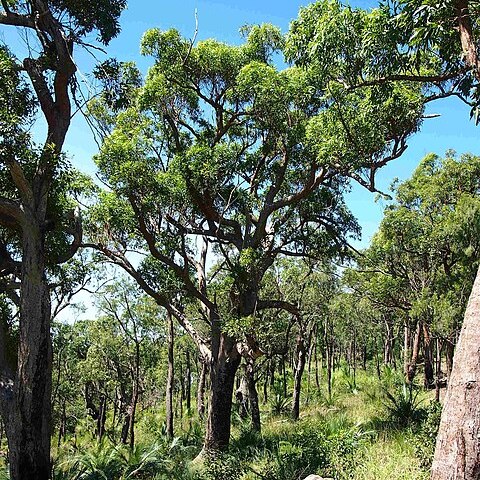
x: 101, y: 461
x: 403, y: 404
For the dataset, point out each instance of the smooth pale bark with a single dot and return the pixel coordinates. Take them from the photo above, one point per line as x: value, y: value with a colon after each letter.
x: 457, y: 452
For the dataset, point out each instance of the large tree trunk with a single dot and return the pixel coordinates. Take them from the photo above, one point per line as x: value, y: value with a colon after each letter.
x: 224, y: 365
x: 457, y: 453
x: 29, y: 421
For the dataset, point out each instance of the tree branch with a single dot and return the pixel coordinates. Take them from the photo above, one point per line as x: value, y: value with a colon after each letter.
x: 120, y: 260
x: 20, y: 180
x: 408, y: 78
x: 281, y: 304
x: 11, y: 214
x: 14, y: 19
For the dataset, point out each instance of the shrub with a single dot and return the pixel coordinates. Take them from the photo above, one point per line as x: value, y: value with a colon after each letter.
x: 425, y: 437
x: 223, y: 466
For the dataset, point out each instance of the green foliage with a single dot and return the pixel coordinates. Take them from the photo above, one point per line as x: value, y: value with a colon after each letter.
x: 16, y: 98
x: 312, y: 449
x: 426, y: 435
x: 105, y: 461
x: 420, y: 261
x: 327, y: 32
x: 99, y: 462
x: 222, y: 466
x: 278, y: 403
x: 102, y: 17
x: 403, y: 404
x: 338, y: 440
x: 119, y: 83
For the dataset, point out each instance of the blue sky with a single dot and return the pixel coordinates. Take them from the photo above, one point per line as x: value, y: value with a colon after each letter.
x: 222, y: 20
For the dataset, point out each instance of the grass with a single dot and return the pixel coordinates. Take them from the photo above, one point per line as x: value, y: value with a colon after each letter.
x: 357, y: 434
x: 390, y: 458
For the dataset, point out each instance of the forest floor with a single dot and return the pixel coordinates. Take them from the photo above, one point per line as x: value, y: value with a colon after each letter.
x: 369, y: 429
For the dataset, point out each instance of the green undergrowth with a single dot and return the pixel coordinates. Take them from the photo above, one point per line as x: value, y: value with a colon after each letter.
x: 367, y: 429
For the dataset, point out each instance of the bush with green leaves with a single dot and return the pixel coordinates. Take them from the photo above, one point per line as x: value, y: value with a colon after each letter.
x: 279, y: 404
x: 222, y: 466
x: 425, y: 437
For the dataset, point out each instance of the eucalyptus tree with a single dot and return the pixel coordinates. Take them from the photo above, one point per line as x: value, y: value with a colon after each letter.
x: 38, y: 226
x: 451, y: 30
x: 221, y: 152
